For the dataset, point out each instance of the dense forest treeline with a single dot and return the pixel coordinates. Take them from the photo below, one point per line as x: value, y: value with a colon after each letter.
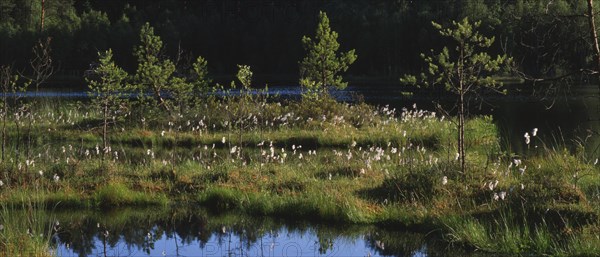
x: 546, y: 37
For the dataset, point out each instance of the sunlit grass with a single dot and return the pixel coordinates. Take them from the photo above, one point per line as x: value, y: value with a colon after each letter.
x: 26, y: 229
x: 327, y: 162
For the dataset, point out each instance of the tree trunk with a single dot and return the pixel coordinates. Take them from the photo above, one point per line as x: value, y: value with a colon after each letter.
x: 4, y: 121
x: 161, y: 100
x: 28, y: 147
x: 594, y: 37
x: 105, y: 129
x: 18, y: 137
x: 593, y: 33
x: 461, y: 132
x: 42, y: 16
x: 461, y: 110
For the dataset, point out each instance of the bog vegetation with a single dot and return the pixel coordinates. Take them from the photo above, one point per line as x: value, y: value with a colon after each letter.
x: 164, y: 135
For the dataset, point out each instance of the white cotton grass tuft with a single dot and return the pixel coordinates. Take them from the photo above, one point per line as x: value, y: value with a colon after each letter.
x: 502, y: 195
x: 444, y: 180
x: 522, y: 170
x: 491, y: 185
x: 534, y: 132
x: 527, y: 138
x: 517, y: 162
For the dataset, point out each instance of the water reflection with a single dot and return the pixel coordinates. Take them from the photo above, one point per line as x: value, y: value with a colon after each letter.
x: 186, y: 232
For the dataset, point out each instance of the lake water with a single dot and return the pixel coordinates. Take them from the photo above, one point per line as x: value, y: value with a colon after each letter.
x: 186, y: 232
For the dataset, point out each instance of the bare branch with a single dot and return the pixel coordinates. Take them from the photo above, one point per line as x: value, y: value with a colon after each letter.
x: 41, y: 63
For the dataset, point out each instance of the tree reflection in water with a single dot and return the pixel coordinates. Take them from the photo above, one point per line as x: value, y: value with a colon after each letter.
x: 196, y: 232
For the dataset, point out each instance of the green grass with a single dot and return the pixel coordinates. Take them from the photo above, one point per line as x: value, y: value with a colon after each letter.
x: 515, y: 235
x: 119, y: 195
x: 371, y: 166
x: 26, y: 229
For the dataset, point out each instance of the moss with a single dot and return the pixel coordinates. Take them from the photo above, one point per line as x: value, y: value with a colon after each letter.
x: 118, y: 195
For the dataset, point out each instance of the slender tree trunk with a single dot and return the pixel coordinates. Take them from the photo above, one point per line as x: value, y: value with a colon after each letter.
x: 28, y: 147
x: 42, y: 17
x: 161, y: 100
x: 461, y: 110
x: 461, y: 132
x: 105, y: 128
x: 593, y: 33
x: 18, y: 137
x: 242, y: 114
x: 594, y: 37
x: 4, y: 121
x: 323, y: 76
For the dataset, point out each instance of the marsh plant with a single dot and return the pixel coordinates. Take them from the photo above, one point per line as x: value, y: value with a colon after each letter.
x: 465, y: 70
x: 27, y: 229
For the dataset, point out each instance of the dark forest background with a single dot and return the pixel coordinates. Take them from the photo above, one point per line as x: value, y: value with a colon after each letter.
x: 546, y: 37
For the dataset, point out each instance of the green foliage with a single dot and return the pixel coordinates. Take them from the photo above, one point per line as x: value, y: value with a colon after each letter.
x: 107, y: 87
x: 26, y: 229
x: 322, y: 64
x: 156, y: 75
x: 107, y: 91
x: 244, y: 75
x: 15, y: 107
x: 518, y: 234
x: 534, y: 32
x: 395, y: 170
x: 200, y: 76
x: 10, y: 82
x: 119, y: 195
x: 465, y: 70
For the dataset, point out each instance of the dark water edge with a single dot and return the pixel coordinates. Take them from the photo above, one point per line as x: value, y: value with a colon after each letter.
x: 197, y: 232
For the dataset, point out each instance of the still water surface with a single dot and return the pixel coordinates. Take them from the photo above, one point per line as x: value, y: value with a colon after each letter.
x: 187, y: 232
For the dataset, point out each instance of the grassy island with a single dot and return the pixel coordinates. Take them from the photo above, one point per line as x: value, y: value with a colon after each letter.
x: 320, y: 160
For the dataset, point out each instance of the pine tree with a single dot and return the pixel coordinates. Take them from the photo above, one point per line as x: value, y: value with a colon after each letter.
x: 154, y: 74
x: 157, y: 81
x: 321, y: 67
x: 106, y: 90
x: 464, y: 70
